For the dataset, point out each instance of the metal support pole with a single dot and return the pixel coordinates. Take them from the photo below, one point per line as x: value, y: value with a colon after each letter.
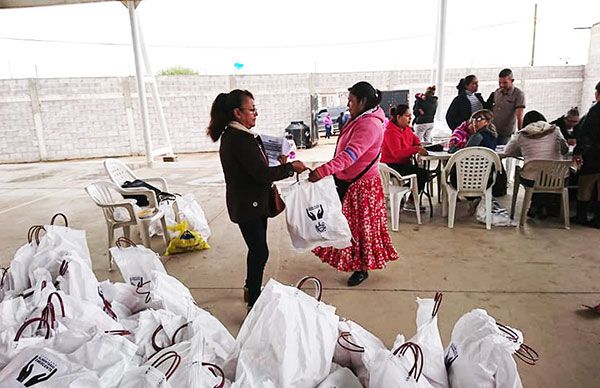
x: 140, y: 82
x: 434, y: 64
x: 534, y: 28
x: 154, y: 89
x: 441, y: 52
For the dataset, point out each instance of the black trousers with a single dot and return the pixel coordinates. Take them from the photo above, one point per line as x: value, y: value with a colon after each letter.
x: 255, y: 235
x: 407, y: 169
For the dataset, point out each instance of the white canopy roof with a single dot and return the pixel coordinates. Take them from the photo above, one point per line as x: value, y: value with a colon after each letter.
x: 41, y: 3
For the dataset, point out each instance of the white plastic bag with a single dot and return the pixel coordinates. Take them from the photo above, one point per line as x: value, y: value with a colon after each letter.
x: 78, y: 280
x: 314, y: 215
x: 341, y: 378
x: 136, y: 263
x: 500, y: 216
x: 428, y: 338
x: 191, y: 211
x: 183, y: 365
x: 144, y: 376
x: 46, y: 368
x: 108, y: 356
x: 401, y: 368
x: 287, y: 340
x: 480, y: 354
x: 356, y: 348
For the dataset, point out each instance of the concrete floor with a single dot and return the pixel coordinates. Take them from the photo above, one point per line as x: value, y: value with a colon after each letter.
x: 534, y: 278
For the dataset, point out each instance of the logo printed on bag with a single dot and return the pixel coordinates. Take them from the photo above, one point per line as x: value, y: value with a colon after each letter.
x: 136, y: 280
x: 451, y: 355
x: 320, y: 226
x: 49, y: 370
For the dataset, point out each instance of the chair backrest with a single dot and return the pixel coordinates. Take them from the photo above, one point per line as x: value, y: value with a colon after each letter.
x: 473, y: 168
x: 387, y: 173
x: 549, y: 174
x: 105, y: 193
x: 118, y: 172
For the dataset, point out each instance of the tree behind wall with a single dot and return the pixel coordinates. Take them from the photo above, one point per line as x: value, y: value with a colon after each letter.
x: 178, y: 70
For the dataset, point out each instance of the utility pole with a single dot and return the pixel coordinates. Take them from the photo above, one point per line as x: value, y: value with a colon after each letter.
x: 534, y: 28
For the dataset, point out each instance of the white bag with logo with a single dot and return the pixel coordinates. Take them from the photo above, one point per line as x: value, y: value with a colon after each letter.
x: 287, y: 339
x: 46, y: 368
x: 191, y: 211
x: 136, y: 263
x: 481, y: 353
x: 314, y: 215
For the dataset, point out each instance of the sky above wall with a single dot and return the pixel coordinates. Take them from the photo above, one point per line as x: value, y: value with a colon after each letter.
x: 290, y: 37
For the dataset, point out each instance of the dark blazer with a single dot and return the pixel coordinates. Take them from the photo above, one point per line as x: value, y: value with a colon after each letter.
x: 248, y: 177
x: 459, y: 110
x: 588, y: 142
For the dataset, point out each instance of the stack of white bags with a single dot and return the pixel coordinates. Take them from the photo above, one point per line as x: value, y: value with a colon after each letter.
x: 60, y: 327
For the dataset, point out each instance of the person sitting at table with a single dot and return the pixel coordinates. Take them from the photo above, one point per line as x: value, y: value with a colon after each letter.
x: 460, y: 136
x: 484, y: 135
x: 538, y: 140
x: 400, y: 144
x: 568, y: 124
x: 484, y: 132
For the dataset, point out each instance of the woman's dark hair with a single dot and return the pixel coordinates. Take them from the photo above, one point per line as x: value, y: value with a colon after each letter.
x: 462, y: 84
x: 533, y: 116
x: 399, y: 110
x: 365, y: 91
x: 221, y: 112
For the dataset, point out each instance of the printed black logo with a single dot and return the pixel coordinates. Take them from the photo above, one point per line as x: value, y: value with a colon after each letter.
x: 316, y: 213
x: 46, y: 364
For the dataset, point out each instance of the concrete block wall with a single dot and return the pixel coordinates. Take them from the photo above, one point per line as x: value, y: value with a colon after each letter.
x: 55, y: 119
x: 592, y: 70
x: 18, y: 139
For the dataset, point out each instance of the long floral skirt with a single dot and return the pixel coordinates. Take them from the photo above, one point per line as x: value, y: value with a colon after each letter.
x: 364, y: 207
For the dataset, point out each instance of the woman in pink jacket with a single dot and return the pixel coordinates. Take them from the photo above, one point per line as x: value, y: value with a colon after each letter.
x: 356, y: 172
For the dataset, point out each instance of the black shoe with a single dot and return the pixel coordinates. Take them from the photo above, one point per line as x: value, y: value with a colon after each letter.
x: 357, y: 278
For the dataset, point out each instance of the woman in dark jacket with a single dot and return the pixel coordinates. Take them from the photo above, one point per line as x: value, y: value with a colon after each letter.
x: 424, y: 111
x: 466, y: 103
x: 248, y: 178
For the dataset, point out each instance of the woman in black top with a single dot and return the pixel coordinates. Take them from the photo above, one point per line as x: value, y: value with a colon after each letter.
x: 466, y: 103
x: 248, y: 178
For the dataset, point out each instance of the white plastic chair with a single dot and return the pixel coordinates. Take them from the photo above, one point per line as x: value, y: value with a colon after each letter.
x: 109, y: 197
x: 119, y: 173
x: 394, y: 187
x: 550, y: 178
x: 473, y: 170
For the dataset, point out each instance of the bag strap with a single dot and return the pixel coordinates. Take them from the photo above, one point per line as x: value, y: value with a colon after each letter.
x: 165, y: 357
x: 317, y: 283
x: 344, y: 336
x: 214, y: 369
x: 59, y: 215
x: 363, y: 172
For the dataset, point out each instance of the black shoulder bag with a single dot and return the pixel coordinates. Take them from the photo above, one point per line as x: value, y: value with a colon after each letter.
x: 343, y: 186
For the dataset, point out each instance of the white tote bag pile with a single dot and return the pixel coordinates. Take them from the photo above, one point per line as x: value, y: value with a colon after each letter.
x: 314, y: 215
x: 481, y: 353
x: 287, y: 340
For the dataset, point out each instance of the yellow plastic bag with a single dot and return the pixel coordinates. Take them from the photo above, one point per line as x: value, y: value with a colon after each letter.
x: 186, y: 241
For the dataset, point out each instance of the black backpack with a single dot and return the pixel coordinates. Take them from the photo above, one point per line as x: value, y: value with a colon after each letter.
x: 141, y: 200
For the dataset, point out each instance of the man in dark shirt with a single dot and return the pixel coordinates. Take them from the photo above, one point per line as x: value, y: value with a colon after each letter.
x: 587, y: 155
